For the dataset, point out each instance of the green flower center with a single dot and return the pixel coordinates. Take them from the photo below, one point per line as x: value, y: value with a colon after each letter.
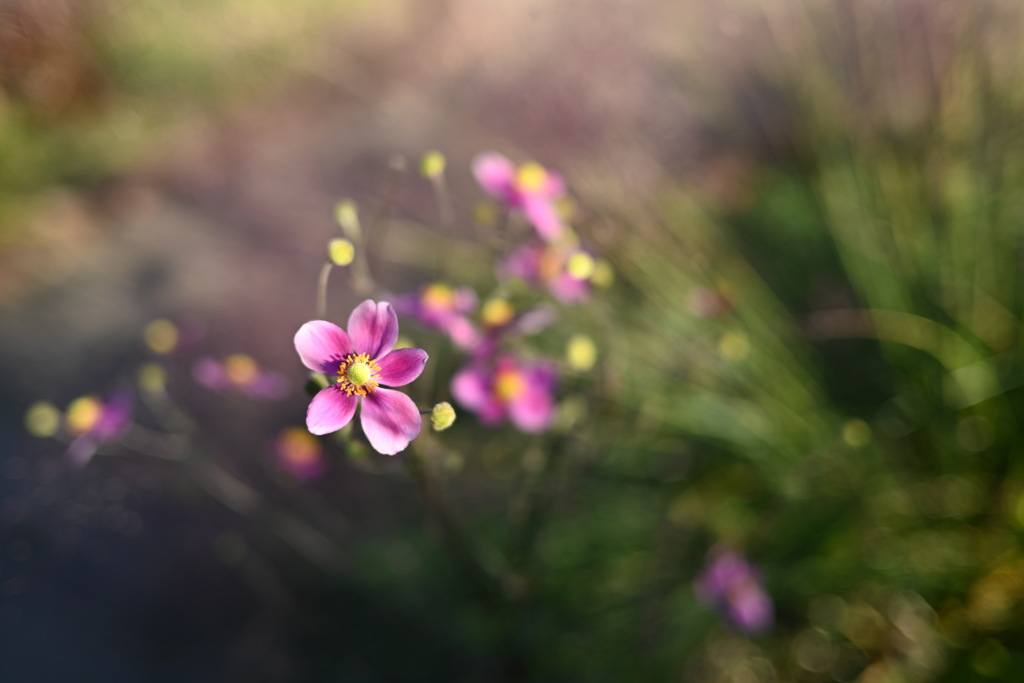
x: 358, y: 373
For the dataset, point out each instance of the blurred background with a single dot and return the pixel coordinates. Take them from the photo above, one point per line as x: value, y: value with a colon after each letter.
x: 809, y: 357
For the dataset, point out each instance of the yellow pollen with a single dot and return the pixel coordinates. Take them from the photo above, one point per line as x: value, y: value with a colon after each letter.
x: 508, y: 384
x: 358, y: 374
x: 531, y: 177
x: 241, y: 369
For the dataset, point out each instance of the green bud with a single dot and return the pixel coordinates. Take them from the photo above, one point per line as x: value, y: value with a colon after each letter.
x: 442, y: 416
x: 348, y: 218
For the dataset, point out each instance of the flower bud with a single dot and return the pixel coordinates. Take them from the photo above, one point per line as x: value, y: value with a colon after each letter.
x: 442, y: 416
x: 152, y: 378
x: 432, y: 165
x: 161, y: 336
x: 341, y: 251
x: 42, y: 419
x: 581, y: 352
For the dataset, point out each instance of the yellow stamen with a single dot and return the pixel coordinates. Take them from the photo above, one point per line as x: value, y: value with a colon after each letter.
x: 508, y: 384
x: 241, y: 369
x: 83, y: 414
x: 531, y: 177
x: 358, y: 374
x: 438, y: 295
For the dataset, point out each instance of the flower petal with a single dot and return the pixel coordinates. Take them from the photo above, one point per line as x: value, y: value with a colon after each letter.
x: 330, y: 410
x: 532, y: 410
x: 390, y: 420
x: 471, y: 387
x: 322, y: 346
x: 542, y: 214
x: 495, y: 174
x: 374, y: 328
x: 400, y: 367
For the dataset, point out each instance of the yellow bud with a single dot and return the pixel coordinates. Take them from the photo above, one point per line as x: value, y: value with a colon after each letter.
x: 603, y: 275
x: 341, y: 251
x: 83, y: 413
x: 581, y: 352
x: 152, y: 378
x: 42, y: 419
x: 856, y: 433
x: 432, y: 165
x: 734, y: 345
x: 442, y: 416
x: 580, y: 265
x: 161, y: 336
x: 347, y: 216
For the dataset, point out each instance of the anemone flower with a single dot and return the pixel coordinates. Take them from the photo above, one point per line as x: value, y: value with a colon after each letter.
x: 94, y: 422
x: 362, y: 360
x: 565, y: 273
x: 240, y: 372
x: 731, y: 586
x: 445, y: 308
x: 531, y: 189
x: 508, y: 387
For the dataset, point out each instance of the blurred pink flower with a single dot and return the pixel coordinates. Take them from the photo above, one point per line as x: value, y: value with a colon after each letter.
x: 564, y: 272
x: 361, y: 363
x: 240, y: 372
x: 300, y: 453
x: 530, y: 188
x: 730, y: 585
x: 445, y: 308
x: 509, y: 387
x: 94, y: 422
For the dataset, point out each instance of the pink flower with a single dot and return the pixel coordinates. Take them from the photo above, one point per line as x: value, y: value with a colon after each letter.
x: 94, y: 422
x: 564, y: 272
x: 521, y: 390
x: 443, y: 308
x: 531, y: 188
x: 240, y: 372
x: 730, y: 585
x: 300, y: 454
x: 361, y: 363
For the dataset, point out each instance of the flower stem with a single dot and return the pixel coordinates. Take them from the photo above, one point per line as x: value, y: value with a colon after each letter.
x: 321, y: 291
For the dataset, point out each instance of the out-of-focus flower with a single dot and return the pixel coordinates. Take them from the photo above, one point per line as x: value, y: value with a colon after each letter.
x: 240, y: 372
x: 509, y: 387
x: 362, y: 360
x: 42, y: 419
x: 565, y: 272
x: 163, y: 336
x: 300, y: 453
x: 732, y: 587
x: 93, y: 422
x: 530, y: 188
x: 445, y: 308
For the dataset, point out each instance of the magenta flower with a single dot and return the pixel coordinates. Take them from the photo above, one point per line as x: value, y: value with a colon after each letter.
x: 361, y: 363
x: 94, y: 422
x: 509, y: 387
x: 564, y: 272
x: 240, y: 372
x: 731, y: 586
x: 445, y: 308
x: 531, y: 189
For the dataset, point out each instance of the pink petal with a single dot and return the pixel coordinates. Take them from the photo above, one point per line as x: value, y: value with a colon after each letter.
x: 374, y: 328
x: 330, y: 410
x: 532, y: 410
x: 541, y: 213
x: 495, y: 174
x: 390, y: 420
x: 471, y: 388
x: 322, y: 346
x: 398, y: 368
x: 209, y: 373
